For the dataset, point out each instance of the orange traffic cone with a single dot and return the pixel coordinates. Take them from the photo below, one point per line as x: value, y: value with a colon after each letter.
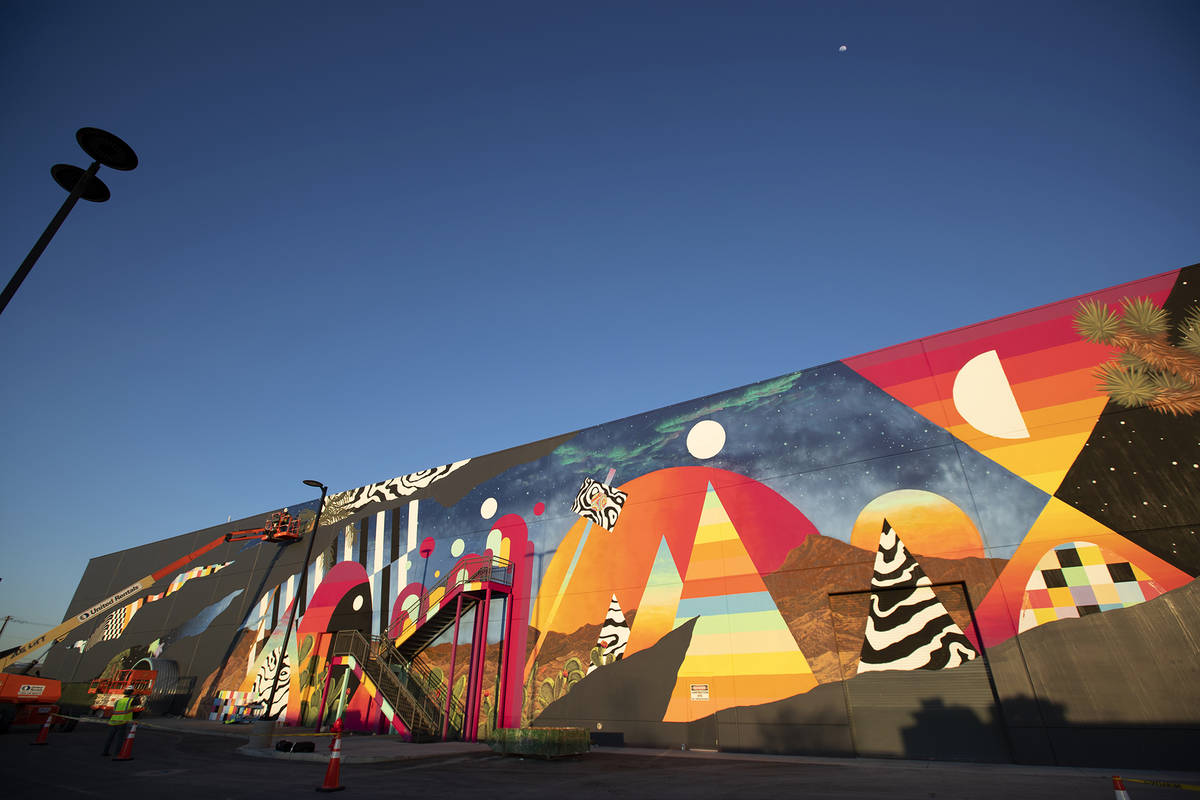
x: 1119, y: 792
x: 126, y: 753
x: 334, y: 770
x: 44, y: 733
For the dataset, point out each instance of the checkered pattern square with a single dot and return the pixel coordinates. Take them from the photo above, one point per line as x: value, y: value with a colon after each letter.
x: 1080, y: 578
x: 227, y: 704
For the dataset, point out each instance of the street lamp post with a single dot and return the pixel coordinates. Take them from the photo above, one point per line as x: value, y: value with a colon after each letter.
x: 104, y: 148
x: 287, y: 633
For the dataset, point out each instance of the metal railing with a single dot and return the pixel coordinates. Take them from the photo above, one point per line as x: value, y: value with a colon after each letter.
x: 441, y: 687
x: 414, y: 690
x: 416, y: 711
x: 468, y: 569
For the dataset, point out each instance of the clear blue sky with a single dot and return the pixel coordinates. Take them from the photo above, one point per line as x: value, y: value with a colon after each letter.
x: 369, y: 238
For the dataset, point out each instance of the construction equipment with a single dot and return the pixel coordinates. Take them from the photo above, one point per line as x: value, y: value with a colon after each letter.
x: 27, y: 699
x: 108, y: 690
x: 60, y: 631
x: 30, y: 699
x: 281, y: 528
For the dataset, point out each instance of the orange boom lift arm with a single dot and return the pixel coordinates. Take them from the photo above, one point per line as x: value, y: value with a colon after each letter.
x: 128, y: 593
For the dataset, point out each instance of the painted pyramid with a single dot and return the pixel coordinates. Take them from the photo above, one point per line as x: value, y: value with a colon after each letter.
x: 741, y: 648
x: 660, y: 600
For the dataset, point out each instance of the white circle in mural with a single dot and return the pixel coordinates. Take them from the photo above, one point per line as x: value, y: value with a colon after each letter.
x: 358, y: 601
x: 488, y: 509
x: 456, y: 549
x: 706, y: 439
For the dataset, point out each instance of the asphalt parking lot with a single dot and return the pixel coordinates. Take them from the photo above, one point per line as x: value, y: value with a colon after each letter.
x: 184, y: 765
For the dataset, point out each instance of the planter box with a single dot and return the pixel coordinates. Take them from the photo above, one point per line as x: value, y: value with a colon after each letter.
x: 539, y: 742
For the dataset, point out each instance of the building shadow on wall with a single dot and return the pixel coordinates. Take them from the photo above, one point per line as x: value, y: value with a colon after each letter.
x: 1026, y: 730
x: 943, y: 732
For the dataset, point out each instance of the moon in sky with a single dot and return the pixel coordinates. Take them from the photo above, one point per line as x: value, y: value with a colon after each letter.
x: 984, y: 397
x: 706, y: 439
x: 842, y: 49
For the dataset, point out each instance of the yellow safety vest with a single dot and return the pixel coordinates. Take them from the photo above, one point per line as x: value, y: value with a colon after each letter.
x: 122, y: 711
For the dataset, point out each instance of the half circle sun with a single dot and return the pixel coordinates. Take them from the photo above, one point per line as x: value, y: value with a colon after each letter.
x: 928, y: 523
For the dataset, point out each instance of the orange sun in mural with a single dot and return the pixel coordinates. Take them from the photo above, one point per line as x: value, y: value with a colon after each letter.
x: 927, y: 523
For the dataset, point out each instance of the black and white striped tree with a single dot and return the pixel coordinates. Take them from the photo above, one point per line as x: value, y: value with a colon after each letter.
x: 908, y: 627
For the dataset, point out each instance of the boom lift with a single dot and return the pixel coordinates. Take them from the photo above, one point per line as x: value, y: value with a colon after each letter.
x: 281, y: 528
x: 26, y: 699
x: 108, y: 690
x: 60, y: 631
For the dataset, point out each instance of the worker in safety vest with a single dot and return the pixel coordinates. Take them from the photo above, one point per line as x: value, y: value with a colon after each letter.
x: 118, y: 723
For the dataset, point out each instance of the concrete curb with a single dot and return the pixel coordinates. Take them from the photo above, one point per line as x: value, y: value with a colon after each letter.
x: 893, y: 764
x: 321, y: 756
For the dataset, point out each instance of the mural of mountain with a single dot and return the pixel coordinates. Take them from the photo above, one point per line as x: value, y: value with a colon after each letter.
x: 1151, y: 677
x: 1049, y: 544
x: 824, y: 628
x: 1150, y: 681
x: 623, y: 695
x: 559, y: 656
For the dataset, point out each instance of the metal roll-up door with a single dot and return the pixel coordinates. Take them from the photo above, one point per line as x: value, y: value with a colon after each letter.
x: 166, y: 684
x: 940, y: 714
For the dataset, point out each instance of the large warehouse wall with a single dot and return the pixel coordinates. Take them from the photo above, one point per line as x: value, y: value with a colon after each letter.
x: 979, y: 545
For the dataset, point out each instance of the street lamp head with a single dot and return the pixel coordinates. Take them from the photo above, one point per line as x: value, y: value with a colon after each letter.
x: 315, y: 484
x: 67, y: 175
x: 107, y: 148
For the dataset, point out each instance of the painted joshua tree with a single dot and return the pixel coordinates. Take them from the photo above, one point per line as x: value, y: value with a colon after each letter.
x: 1156, y: 369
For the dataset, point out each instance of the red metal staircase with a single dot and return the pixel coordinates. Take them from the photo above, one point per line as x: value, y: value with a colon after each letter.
x: 426, y: 705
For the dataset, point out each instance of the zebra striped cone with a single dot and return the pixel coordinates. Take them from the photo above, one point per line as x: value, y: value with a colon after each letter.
x: 333, y: 772
x: 126, y: 753
x: 44, y: 734
x: 908, y: 627
x: 1119, y: 788
x: 614, y: 635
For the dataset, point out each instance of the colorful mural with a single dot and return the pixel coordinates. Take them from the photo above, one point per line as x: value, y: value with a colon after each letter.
x: 791, y: 566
